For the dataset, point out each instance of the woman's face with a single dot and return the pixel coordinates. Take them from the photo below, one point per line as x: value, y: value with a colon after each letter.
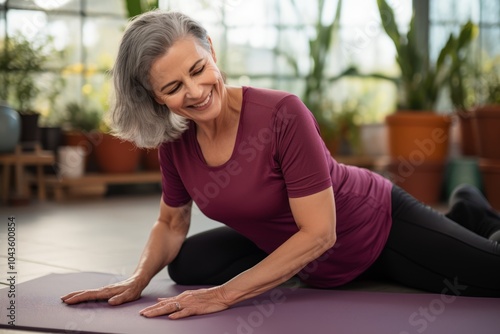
x: 187, y: 80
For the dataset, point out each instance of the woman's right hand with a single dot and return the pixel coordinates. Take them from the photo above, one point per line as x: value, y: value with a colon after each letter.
x: 116, y: 294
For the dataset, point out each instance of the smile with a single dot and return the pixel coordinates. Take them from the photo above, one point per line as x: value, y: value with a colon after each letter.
x: 204, y: 103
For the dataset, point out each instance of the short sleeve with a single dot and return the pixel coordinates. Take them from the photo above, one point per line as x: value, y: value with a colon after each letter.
x: 173, y: 190
x: 300, y: 151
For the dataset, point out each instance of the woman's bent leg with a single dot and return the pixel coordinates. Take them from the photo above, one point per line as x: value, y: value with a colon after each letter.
x: 213, y: 257
x: 428, y: 251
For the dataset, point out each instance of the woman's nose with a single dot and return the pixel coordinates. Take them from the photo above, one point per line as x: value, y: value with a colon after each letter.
x: 194, y: 91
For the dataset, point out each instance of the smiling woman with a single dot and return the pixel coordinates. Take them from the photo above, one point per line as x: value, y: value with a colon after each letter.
x: 187, y: 80
x: 253, y: 159
x: 136, y: 116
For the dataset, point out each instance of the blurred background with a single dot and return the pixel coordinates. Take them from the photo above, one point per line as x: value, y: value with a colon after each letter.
x: 356, y: 64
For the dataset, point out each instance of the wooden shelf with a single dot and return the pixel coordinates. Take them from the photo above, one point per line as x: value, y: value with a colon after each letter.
x: 61, y: 185
x: 20, y: 159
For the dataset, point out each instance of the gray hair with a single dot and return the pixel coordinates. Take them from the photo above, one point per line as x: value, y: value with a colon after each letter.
x: 135, y: 115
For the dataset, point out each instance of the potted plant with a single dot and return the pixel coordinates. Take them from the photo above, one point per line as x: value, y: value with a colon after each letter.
x: 20, y: 62
x: 80, y: 128
x: 463, y: 85
x: 53, y: 115
x: 418, y: 137
x: 486, y: 123
x: 316, y: 81
x: 486, y: 116
x: 420, y: 84
x: 114, y: 155
x: 137, y: 7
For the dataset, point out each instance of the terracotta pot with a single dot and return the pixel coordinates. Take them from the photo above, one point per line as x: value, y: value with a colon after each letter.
x: 150, y: 159
x: 418, y: 135
x: 424, y: 181
x: 490, y: 170
x: 468, y: 139
x: 486, y: 122
x: 114, y: 155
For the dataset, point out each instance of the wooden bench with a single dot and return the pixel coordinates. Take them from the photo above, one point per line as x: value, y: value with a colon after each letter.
x: 20, y: 159
x: 60, y: 185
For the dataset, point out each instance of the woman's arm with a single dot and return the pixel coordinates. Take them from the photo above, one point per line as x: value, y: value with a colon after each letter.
x: 315, y: 217
x: 165, y: 240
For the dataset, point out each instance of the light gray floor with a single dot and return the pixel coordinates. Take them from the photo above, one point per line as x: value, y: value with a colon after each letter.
x: 101, y: 235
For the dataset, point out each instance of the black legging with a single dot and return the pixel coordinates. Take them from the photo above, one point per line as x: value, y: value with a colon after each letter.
x: 425, y: 250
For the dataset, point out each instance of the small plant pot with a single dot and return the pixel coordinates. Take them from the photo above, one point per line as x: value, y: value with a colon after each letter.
x: 487, y: 128
x: 424, y: 181
x: 10, y: 129
x: 418, y: 135
x: 71, y: 161
x: 463, y: 170
x: 150, y: 159
x: 51, y: 138
x: 490, y: 170
x: 30, y: 132
x: 374, y: 139
x: 114, y: 155
x: 84, y: 140
x: 468, y: 135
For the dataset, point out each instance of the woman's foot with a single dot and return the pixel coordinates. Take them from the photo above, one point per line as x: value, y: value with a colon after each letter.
x: 469, y: 208
x: 469, y: 194
x: 495, y: 236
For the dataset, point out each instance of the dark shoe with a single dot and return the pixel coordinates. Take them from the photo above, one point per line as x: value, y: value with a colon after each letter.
x: 495, y: 236
x: 469, y: 194
x: 469, y: 208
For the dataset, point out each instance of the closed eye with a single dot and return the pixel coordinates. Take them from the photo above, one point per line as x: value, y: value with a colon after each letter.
x: 199, y: 71
x: 176, y: 88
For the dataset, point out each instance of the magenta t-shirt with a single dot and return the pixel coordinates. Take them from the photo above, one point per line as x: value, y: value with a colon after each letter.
x: 278, y: 155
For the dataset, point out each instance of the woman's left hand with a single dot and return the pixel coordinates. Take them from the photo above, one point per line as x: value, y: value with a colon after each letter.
x: 188, y: 303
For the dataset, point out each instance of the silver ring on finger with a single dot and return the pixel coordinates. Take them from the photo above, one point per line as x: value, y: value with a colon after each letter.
x: 177, y: 306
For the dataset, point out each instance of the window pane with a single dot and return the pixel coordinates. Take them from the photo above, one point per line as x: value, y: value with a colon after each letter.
x: 111, y: 7
x: 205, y: 11
x: 490, y: 41
x: 60, y: 5
x: 490, y: 11
x: 101, y: 39
x: 453, y: 10
x: 250, y: 13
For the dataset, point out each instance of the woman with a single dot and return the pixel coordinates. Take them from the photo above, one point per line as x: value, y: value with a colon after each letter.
x: 253, y: 159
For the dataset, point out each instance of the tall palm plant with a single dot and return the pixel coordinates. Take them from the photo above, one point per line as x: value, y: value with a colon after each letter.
x: 421, y: 82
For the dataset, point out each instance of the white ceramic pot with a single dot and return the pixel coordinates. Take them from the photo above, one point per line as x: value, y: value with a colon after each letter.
x: 71, y: 161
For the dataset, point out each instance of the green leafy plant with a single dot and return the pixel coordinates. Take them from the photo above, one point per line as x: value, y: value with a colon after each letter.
x: 137, y: 7
x: 492, y: 82
x: 80, y: 118
x: 316, y: 80
x: 421, y: 82
x: 20, y: 63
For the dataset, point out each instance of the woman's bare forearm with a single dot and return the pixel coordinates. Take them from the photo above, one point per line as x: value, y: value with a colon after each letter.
x: 164, y: 243
x: 316, y: 220
x: 286, y: 261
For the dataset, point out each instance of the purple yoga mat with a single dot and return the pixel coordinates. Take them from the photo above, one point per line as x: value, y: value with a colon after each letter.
x: 286, y: 309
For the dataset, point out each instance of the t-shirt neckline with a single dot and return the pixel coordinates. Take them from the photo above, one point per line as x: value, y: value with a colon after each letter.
x: 197, y: 148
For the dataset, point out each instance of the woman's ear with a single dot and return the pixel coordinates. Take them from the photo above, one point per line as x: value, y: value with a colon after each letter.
x: 212, y: 51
